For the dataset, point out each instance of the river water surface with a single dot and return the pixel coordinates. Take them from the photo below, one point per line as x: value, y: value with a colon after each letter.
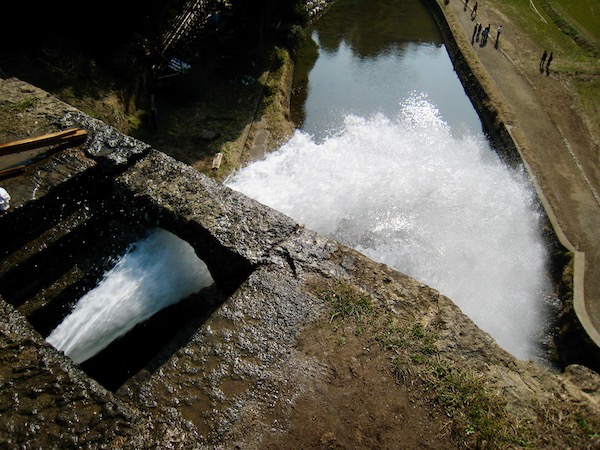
x: 390, y: 158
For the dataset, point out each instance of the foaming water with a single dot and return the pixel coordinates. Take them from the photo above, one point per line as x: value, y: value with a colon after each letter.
x: 154, y: 273
x: 441, y: 208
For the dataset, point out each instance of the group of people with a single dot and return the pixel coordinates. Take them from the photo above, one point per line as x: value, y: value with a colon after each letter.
x: 481, y: 36
x: 477, y: 31
x: 484, y: 33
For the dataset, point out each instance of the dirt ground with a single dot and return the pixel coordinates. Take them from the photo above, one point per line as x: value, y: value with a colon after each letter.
x: 361, y: 405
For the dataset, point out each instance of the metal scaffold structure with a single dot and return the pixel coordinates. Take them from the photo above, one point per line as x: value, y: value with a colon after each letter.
x: 195, y: 17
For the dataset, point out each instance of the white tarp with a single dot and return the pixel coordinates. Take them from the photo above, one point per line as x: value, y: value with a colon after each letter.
x: 4, y: 199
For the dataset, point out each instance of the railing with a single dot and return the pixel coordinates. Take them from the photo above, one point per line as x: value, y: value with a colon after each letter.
x: 192, y: 20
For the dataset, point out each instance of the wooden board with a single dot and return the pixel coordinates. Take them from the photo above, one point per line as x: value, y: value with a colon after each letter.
x: 13, y: 171
x: 73, y: 136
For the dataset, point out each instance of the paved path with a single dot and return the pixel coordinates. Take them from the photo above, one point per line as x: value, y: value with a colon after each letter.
x: 552, y: 135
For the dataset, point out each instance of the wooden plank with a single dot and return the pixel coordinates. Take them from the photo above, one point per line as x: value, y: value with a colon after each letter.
x: 217, y: 161
x: 13, y: 171
x: 62, y: 137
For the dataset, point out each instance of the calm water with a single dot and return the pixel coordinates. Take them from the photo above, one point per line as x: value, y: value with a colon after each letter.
x: 389, y: 158
x: 367, y: 57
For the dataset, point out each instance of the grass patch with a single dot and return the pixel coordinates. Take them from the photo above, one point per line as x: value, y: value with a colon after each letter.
x: 552, y: 29
x: 275, y: 104
x: 589, y: 94
x: 586, y: 13
x: 19, y: 119
x: 25, y: 104
x: 463, y: 397
x: 347, y: 302
x: 478, y: 417
x: 478, y: 413
x: 578, y: 20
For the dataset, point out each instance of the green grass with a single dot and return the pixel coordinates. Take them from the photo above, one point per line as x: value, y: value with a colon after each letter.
x: 554, y: 29
x: 347, y: 301
x: 586, y: 12
x: 583, y: 15
x: 589, y: 93
x: 25, y: 104
x: 477, y: 416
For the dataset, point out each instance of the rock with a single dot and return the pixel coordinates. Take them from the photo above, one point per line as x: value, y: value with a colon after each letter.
x: 271, y: 365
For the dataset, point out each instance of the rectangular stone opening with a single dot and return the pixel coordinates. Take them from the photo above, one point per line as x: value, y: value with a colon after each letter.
x: 44, y: 274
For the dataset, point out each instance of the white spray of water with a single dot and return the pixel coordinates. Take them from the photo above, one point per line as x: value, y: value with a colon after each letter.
x: 441, y: 208
x: 156, y: 272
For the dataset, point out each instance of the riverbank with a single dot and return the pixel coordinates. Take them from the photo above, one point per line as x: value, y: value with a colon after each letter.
x: 210, y: 112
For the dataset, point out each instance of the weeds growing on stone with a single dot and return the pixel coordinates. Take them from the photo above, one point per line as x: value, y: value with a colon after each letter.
x: 414, y: 356
x: 477, y: 413
x: 347, y: 301
x: 25, y: 104
x: 460, y: 393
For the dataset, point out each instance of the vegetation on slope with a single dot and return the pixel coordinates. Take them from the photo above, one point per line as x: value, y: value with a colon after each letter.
x: 416, y: 357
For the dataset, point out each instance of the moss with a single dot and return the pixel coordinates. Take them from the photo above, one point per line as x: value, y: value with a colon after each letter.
x: 25, y: 104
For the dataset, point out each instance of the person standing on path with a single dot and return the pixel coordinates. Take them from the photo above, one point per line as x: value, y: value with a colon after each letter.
x: 478, y: 33
x: 466, y: 1
x: 543, y: 60
x: 485, y: 35
x: 498, y: 36
x: 548, y: 64
x: 474, y: 12
x: 474, y: 33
